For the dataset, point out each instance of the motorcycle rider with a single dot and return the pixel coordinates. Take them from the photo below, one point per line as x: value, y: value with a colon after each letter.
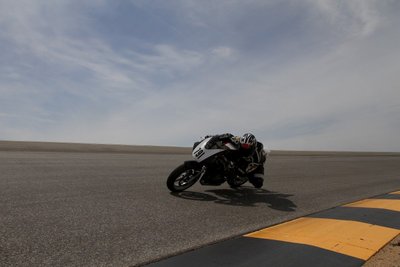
x: 251, y: 156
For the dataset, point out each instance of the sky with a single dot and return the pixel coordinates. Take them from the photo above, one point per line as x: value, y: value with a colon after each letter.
x: 300, y: 75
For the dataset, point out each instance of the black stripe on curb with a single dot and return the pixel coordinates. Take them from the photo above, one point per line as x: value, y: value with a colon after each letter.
x: 379, y: 217
x: 388, y: 196
x: 254, y: 252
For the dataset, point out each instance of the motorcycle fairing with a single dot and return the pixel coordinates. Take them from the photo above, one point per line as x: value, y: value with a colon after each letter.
x: 200, y: 152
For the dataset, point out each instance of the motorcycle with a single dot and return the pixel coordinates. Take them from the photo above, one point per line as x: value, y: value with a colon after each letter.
x: 215, y: 162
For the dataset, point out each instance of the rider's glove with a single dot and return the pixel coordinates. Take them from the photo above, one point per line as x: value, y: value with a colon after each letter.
x: 235, y: 140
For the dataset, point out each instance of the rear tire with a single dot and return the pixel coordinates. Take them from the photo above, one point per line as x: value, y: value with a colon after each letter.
x: 182, y: 178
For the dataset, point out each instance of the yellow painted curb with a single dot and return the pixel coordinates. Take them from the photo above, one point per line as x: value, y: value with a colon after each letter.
x: 355, y: 239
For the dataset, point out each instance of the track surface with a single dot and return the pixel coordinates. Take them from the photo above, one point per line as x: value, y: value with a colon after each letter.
x: 108, y: 209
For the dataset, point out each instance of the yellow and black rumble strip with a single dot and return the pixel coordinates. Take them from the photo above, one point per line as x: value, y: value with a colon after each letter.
x: 343, y: 236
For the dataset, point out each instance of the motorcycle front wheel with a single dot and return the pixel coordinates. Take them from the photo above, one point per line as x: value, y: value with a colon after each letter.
x: 182, y: 178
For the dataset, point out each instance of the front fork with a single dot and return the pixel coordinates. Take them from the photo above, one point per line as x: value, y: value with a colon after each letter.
x: 203, y: 171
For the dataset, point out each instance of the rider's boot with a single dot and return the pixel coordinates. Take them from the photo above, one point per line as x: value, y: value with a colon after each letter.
x: 257, y: 180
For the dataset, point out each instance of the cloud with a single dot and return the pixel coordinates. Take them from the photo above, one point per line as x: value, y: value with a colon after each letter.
x: 359, y: 17
x: 301, y: 75
x: 223, y: 52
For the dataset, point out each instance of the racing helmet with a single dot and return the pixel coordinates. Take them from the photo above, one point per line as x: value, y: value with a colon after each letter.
x: 248, y: 143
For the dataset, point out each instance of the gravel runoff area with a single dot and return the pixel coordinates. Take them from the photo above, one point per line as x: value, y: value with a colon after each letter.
x: 388, y: 256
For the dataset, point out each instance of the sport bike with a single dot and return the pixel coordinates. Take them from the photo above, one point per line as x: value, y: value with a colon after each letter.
x: 215, y: 162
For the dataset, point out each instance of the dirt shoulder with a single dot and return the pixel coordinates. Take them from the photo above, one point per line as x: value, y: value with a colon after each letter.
x: 106, y: 148
x: 90, y: 148
x: 388, y: 256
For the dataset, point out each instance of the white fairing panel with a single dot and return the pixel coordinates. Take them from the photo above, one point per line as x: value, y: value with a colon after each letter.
x: 200, y: 152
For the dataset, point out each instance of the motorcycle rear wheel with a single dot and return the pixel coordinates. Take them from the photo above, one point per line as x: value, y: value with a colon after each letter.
x: 182, y: 178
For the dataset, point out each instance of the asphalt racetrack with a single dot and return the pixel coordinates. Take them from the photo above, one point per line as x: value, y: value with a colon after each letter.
x: 114, y: 209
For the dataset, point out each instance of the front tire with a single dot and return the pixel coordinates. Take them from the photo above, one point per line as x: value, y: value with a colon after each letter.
x: 182, y: 178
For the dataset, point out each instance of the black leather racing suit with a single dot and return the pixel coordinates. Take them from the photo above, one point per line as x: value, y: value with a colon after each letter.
x: 251, y: 164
